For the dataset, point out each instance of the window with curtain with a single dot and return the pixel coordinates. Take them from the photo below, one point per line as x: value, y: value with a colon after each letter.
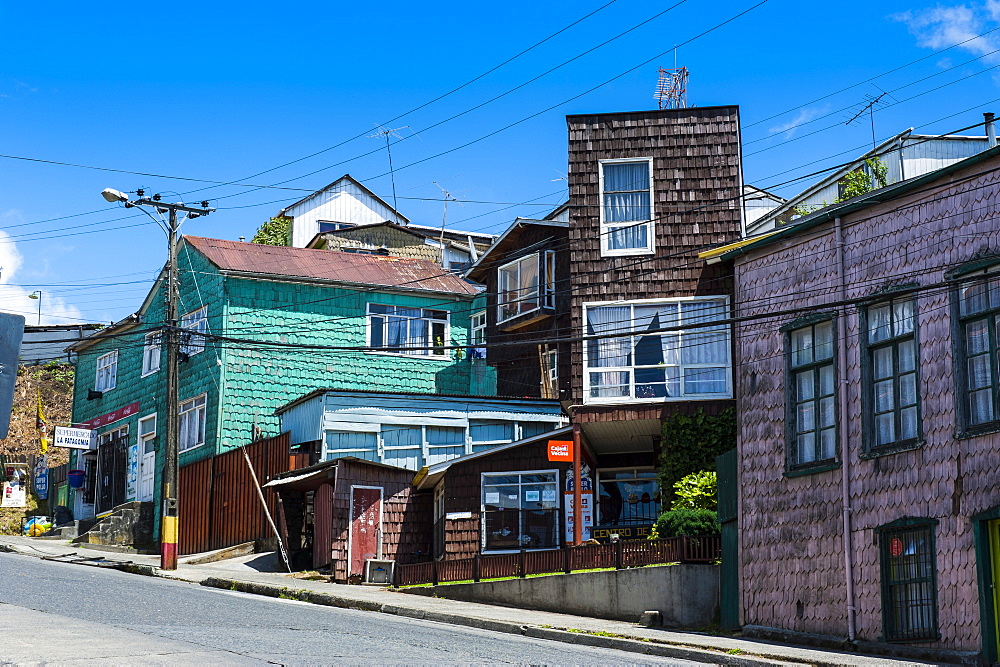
x: 525, y: 285
x: 626, y: 212
x: 650, y: 364
x: 811, y: 395
x: 893, y: 405
x: 191, y: 417
x: 978, y: 350
x: 909, y: 573
x: 401, y: 330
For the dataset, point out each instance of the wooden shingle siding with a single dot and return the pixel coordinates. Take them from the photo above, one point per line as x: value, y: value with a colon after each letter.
x: 792, y: 563
x: 696, y: 185
x: 406, y: 516
x: 463, y: 492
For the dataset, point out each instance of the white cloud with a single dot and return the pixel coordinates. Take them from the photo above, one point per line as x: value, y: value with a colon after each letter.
x: 14, y: 298
x: 804, y: 116
x: 943, y: 26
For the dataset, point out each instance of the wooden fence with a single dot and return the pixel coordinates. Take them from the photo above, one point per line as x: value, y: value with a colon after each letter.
x: 219, y: 506
x: 586, y: 557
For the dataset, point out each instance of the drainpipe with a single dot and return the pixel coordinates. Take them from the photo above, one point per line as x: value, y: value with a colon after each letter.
x: 991, y: 130
x: 845, y: 452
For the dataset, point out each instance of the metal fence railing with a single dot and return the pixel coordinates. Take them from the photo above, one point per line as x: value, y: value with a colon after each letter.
x: 619, y: 555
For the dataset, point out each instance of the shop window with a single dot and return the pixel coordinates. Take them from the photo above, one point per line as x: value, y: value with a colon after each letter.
x: 909, y: 580
x: 520, y: 511
x: 628, y: 497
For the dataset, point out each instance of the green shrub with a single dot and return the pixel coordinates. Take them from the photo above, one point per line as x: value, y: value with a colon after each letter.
x: 688, y: 522
x: 697, y: 491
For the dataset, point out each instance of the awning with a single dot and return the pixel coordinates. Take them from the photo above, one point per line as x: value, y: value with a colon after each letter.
x: 722, y: 250
x: 300, y: 480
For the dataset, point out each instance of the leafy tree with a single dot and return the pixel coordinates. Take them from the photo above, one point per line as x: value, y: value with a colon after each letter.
x: 696, y: 491
x: 691, y: 443
x: 861, y: 181
x: 276, y: 231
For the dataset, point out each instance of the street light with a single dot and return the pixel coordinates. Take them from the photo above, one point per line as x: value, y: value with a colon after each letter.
x: 169, y: 486
x: 38, y: 295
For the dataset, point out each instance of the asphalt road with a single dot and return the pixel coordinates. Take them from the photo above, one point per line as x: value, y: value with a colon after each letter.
x: 62, y: 613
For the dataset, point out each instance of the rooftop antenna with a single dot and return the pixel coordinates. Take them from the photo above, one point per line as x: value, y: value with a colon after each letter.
x: 870, y: 108
x: 389, y: 132
x: 671, y: 89
x: 444, y: 218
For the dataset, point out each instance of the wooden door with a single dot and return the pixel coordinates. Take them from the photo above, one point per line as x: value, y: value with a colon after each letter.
x: 366, y: 527
x: 728, y: 512
x: 147, y: 471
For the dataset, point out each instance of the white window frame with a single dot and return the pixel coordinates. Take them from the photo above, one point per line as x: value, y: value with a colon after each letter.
x: 151, y: 353
x: 106, y: 373
x: 631, y: 398
x: 543, y: 294
x: 196, y: 320
x: 199, y: 406
x: 482, y: 507
x: 402, y: 350
x: 606, y: 227
x: 477, y: 335
x: 144, y: 436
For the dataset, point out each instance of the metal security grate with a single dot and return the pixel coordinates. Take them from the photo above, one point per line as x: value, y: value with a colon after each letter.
x: 909, y: 595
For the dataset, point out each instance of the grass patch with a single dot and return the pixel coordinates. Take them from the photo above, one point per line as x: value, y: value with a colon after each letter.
x: 734, y: 651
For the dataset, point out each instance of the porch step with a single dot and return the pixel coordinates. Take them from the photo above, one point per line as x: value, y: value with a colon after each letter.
x: 128, y: 525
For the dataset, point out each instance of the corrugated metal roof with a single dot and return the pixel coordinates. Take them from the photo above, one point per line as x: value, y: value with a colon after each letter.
x: 343, y: 267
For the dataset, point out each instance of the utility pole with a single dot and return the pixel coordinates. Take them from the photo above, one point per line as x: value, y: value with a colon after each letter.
x: 169, y: 517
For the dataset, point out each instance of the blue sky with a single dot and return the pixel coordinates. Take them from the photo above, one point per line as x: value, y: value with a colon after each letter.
x: 223, y: 91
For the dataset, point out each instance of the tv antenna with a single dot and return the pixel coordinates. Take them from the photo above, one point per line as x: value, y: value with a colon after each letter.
x: 870, y: 108
x: 671, y: 89
x: 389, y: 132
x: 444, y: 217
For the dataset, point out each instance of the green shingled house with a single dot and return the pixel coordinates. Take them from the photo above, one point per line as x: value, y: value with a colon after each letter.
x: 259, y: 309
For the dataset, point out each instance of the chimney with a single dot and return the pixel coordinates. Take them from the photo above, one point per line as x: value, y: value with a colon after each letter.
x: 991, y: 130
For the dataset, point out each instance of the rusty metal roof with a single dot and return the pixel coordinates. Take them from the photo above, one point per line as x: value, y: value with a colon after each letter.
x: 332, y: 265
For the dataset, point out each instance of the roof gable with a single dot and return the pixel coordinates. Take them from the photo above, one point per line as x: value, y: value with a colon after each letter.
x: 349, y: 184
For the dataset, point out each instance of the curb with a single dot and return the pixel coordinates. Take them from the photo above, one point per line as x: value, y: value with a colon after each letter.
x: 552, y: 634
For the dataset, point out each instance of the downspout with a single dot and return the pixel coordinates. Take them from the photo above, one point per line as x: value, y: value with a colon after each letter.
x: 845, y: 453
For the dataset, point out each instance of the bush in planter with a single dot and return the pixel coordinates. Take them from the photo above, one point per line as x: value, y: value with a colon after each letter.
x: 690, y: 522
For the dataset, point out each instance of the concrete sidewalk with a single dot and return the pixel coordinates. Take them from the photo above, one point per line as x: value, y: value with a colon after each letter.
x: 242, y: 574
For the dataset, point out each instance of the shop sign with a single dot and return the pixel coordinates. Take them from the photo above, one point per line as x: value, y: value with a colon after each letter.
x: 75, y: 438
x: 586, y: 504
x: 13, y: 492
x: 42, y: 478
x: 132, y: 472
x: 560, y: 450
x: 111, y: 417
x: 604, y: 533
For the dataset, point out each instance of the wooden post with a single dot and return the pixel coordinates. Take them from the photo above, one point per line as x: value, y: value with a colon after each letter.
x: 618, y: 554
x: 435, y: 572
x: 566, y: 564
x: 577, y: 491
x: 476, y: 572
x: 520, y: 563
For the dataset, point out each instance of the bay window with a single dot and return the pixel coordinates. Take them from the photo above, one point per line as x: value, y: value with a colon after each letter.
x: 402, y: 330
x: 626, y: 211
x: 520, y: 510
x: 525, y: 285
x: 649, y: 364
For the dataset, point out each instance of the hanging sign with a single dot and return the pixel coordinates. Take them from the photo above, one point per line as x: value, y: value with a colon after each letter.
x: 75, y: 438
x: 110, y: 417
x: 41, y: 478
x: 560, y: 450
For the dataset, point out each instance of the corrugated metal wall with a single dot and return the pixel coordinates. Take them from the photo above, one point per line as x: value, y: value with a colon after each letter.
x: 219, y: 506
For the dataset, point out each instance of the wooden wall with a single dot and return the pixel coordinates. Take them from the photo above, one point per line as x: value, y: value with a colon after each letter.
x: 406, y: 515
x: 518, y: 369
x: 792, y: 545
x: 696, y: 185
x: 463, y: 492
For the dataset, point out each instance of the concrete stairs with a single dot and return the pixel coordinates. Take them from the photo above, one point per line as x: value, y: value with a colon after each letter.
x: 128, y: 525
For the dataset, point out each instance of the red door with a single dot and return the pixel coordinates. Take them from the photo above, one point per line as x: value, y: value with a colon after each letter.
x: 366, y: 526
